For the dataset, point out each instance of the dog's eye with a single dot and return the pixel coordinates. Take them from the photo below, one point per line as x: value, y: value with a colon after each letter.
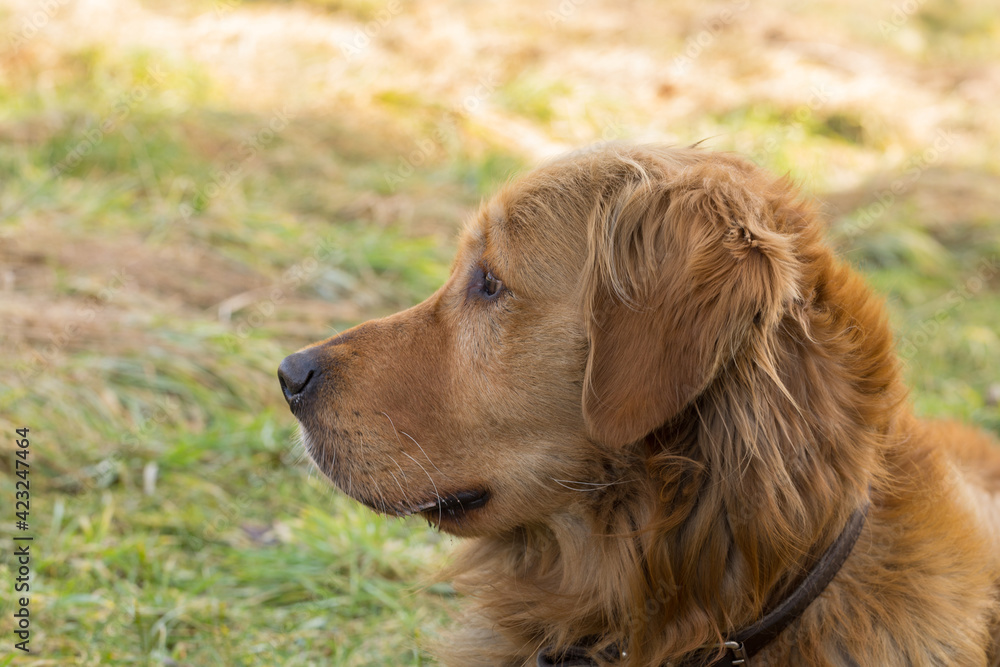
x: 491, y: 285
x: 485, y: 285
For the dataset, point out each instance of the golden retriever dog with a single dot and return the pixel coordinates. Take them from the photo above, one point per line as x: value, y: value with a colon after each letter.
x: 673, y: 426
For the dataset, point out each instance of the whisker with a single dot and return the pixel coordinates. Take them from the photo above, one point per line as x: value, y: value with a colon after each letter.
x: 401, y: 472
x: 436, y: 493
x: 422, y: 450
x: 393, y: 429
x: 376, y: 493
x: 595, y: 486
x: 573, y: 481
x: 402, y: 493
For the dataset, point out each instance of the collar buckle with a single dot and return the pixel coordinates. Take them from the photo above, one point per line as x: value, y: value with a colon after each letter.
x: 739, y: 653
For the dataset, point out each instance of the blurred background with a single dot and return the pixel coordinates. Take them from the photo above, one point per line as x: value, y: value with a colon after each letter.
x: 191, y: 190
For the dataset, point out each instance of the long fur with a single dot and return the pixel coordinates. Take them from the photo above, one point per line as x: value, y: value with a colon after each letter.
x: 720, y: 511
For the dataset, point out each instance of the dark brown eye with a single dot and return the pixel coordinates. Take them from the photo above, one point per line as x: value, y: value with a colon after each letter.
x: 491, y: 286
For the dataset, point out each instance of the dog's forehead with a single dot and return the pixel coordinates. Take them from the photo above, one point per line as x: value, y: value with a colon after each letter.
x: 483, y: 233
x: 489, y: 228
x: 486, y: 240
x: 527, y: 247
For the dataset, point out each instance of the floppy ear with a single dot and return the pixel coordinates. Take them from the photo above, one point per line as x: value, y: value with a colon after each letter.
x: 683, y: 268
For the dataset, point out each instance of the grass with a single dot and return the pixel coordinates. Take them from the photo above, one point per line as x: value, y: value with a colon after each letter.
x: 180, y: 209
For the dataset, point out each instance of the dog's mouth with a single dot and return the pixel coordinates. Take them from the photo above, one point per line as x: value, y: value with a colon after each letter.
x: 453, y: 506
x: 440, y: 508
x: 450, y: 507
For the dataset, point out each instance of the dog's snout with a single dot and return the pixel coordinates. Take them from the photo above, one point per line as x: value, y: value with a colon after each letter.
x: 296, y: 372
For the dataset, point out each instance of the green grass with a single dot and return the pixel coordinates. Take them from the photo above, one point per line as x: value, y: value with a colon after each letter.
x: 171, y: 240
x: 239, y: 554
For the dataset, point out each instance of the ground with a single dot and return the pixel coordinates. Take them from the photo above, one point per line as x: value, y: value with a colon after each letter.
x: 190, y: 191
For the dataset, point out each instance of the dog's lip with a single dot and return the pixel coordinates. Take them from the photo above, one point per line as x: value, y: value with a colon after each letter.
x: 453, y: 504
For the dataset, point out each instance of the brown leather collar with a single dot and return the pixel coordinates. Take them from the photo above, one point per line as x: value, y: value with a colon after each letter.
x: 738, y: 649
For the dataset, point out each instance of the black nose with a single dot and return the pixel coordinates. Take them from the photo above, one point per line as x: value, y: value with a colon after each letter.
x: 296, y: 371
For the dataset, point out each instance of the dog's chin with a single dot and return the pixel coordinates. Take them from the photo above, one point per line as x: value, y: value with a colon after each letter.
x: 459, y: 512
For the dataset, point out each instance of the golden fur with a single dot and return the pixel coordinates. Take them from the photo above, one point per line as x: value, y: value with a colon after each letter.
x: 675, y: 401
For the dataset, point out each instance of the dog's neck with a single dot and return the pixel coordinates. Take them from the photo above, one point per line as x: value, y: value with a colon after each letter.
x: 761, y: 473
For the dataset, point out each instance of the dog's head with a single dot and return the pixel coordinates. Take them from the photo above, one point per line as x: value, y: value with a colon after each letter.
x: 589, y: 304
